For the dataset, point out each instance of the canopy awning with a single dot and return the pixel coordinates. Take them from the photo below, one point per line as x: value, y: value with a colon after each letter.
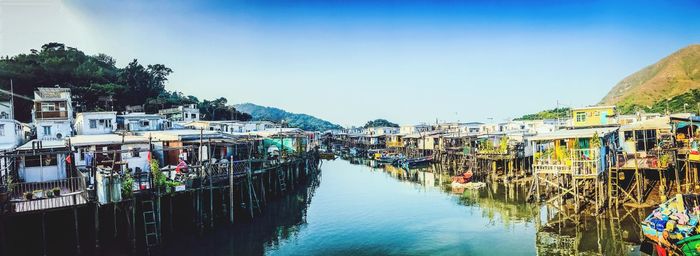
x: 574, y: 134
x: 659, y: 123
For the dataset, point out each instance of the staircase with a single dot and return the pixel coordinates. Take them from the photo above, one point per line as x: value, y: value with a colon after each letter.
x: 613, y: 188
x: 150, y: 225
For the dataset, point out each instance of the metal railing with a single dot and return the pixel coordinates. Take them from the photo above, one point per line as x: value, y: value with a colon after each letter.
x: 40, y: 189
x: 581, y: 162
x: 32, y: 196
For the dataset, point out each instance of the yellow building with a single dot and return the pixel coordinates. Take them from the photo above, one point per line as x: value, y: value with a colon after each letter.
x: 593, y: 116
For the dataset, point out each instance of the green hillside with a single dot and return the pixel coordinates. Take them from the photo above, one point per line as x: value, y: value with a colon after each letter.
x: 91, y: 77
x: 547, y: 114
x: 303, y: 121
x: 674, y: 75
x: 380, y: 123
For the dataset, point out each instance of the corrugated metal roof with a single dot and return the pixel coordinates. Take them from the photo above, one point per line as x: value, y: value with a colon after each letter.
x: 658, y: 123
x: 105, y: 139
x: 50, y: 92
x: 573, y: 133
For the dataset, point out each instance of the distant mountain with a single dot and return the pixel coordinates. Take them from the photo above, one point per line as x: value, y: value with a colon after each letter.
x: 646, y: 89
x: 303, y: 121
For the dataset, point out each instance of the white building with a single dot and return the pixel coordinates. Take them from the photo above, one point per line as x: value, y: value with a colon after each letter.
x: 47, y: 166
x: 383, y: 130
x: 189, y: 113
x: 52, y: 114
x: 6, y: 110
x: 131, y: 154
x: 233, y: 127
x: 90, y: 123
x: 417, y: 128
x: 142, y: 122
x: 11, y: 134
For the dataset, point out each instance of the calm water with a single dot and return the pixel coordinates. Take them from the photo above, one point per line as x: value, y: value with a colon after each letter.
x: 355, y: 209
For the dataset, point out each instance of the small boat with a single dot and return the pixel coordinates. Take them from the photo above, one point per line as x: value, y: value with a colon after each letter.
x: 390, y: 158
x: 468, y: 185
x: 415, y: 162
x: 465, y: 181
x: 672, y: 227
x: 326, y: 154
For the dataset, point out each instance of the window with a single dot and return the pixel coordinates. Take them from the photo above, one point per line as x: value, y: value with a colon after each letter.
x: 45, y: 160
x: 2, y: 130
x: 645, y: 139
x: 135, y: 152
x: 47, y: 130
x: 48, y: 106
x: 108, y: 123
x: 145, y: 123
x: 93, y: 123
x: 194, y: 116
x: 580, y: 116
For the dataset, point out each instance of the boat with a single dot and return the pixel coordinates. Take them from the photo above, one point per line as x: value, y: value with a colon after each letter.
x: 374, y: 154
x: 672, y: 228
x: 390, y: 158
x: 468, y: 185
x: 326, y: 155
x: 465, y: 181
x: 414, y: 162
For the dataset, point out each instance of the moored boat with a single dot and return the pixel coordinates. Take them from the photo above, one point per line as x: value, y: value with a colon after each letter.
x: 672, y: 228
x: 414, y: 162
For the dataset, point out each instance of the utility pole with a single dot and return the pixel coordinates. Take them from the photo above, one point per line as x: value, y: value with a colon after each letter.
x: 12, y: 100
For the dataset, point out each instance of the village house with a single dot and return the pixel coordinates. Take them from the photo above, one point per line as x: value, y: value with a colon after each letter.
x: 594, y: 116
x: 417, y: 128
x: 381, y: 130
x: 89, y: 123
x: 122, y: 152
x: 11, y: 134
x: 189, y: 113
x: 52, y: 114
x: 137, y: 122
x: 45, y: 163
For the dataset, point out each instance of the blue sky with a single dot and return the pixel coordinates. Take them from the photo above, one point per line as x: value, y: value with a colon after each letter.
x: 348, y: 62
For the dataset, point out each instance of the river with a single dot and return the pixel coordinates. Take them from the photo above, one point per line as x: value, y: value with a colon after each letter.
x: 356, y: 209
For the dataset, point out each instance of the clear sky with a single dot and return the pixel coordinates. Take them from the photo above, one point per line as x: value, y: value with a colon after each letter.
x: 348, y: 62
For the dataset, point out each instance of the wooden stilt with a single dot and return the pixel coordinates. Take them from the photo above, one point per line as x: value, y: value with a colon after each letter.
x: 97, y: 228
x: 43, y: 232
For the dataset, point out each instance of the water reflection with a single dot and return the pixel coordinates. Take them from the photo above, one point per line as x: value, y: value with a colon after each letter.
x: 364, y: 207
x: 615, y: 233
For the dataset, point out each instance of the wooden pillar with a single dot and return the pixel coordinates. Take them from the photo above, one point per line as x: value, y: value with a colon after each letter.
x: 43, y: 232
x: 171, y: 227
x: 230, y: 191
x: 97, y: 228
x: 132, y: 233
x: 77, y: 233
x: 250, y: 186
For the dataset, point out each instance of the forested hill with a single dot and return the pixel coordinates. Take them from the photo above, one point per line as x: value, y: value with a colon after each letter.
x: 93, y: 76
x: 380, y: 123
x: 303, y: 121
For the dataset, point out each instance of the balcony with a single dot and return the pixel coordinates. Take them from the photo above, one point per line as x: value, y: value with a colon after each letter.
x: 394, y: 144
x: 578, y: 162
x: 34, y: 196
x: 58, y: 114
